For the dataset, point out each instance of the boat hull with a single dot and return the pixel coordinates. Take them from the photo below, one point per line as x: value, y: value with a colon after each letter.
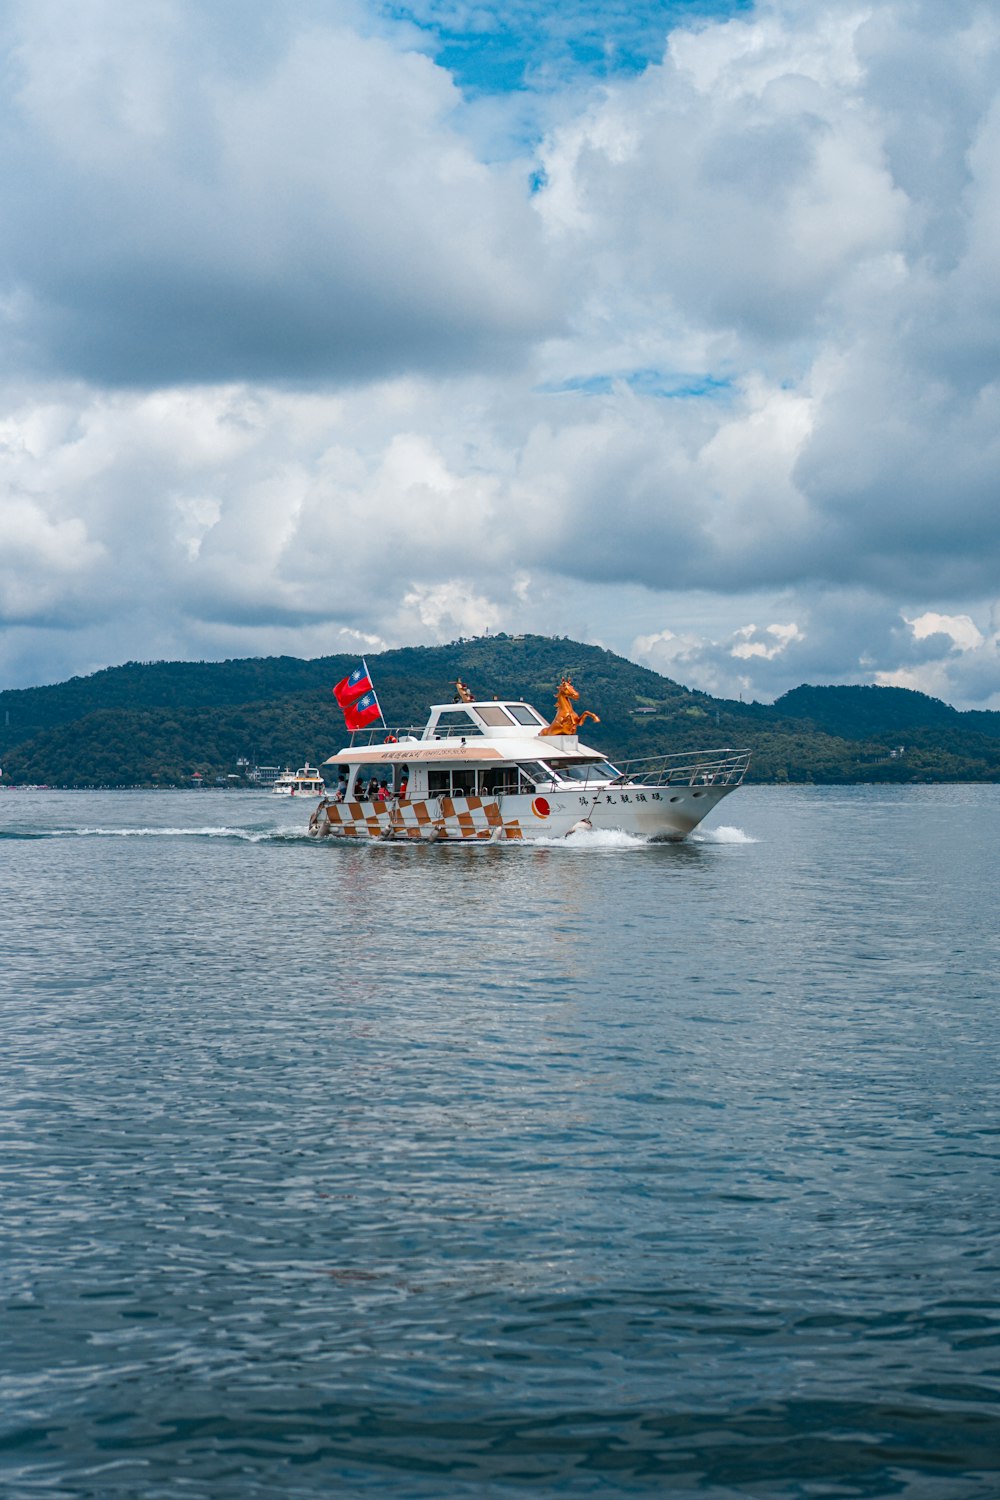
x: 668, y: 812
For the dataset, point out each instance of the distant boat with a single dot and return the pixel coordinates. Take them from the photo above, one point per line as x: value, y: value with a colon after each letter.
x: 306, y: 782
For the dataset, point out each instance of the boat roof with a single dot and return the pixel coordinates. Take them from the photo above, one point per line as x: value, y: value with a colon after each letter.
x: 497, y: 729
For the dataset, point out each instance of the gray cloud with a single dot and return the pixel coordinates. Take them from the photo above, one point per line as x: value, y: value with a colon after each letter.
x: 834, y: 636
x: 168, y: 221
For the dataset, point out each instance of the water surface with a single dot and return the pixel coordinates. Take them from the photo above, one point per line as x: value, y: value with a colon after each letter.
x: 597, y: 1168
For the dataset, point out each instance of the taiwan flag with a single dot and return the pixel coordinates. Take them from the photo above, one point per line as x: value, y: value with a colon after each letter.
x: 350, y: 689
x: 364, y: 711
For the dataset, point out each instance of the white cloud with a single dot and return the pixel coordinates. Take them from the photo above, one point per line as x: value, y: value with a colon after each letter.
x: 776, y: 639
x: 958, y: 661
x: 962, y: 630
x: 197, y: 514
x: 445, y: 610
x: 42, y: 560
x: 741, y: 183
x: 169, y: 217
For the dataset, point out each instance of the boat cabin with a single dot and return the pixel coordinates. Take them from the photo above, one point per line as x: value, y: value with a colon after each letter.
x: 487, y: 749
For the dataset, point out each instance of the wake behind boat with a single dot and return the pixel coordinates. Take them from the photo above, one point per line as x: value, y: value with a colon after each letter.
x: 491, y: 770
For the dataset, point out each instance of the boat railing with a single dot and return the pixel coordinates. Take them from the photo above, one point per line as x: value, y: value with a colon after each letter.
x: 688, y: 768
x: 380, y: 734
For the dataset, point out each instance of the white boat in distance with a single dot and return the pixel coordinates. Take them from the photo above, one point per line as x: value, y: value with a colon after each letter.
x: 495, y: 771
x: 305, y: 782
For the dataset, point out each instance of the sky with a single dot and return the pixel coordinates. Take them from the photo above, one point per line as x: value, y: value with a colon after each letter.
x: 673, y: 327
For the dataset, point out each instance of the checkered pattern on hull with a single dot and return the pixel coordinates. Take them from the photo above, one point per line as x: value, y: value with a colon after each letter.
x: 456, y: 818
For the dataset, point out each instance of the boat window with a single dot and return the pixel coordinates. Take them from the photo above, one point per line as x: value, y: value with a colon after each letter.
x: 456, y: 721
x: 504, y: 781
x: 495, y: 717
x: 584, y: 771
x: 540, y: 773
x: 523, y: 714
x: 451, y: 783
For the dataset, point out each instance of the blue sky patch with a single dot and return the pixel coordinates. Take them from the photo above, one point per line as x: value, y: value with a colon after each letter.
x: 668, y: 385
x: 530, y: 45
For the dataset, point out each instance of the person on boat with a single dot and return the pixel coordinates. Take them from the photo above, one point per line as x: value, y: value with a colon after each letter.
x: 383, y: 791
x: 404, y: 778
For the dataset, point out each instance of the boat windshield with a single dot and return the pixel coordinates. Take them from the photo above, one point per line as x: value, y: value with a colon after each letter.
x: 456, y: 721
x: 523, y: 714
x: 495, y: 717
x: 584, y: 771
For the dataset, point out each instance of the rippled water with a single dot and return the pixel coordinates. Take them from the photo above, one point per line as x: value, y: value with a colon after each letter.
x: 592, y: 1169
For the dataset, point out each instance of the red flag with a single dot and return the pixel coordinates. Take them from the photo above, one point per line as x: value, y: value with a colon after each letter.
x: 364, y: 711
x: 351, y: 688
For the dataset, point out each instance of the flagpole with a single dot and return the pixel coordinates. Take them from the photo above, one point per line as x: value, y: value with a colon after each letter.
x: 364, y: 663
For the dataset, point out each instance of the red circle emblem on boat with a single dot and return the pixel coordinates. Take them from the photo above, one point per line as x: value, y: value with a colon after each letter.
x: 540, y: 807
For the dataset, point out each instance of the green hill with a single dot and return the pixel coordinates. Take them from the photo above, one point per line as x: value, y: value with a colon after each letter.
x: 157, y: 723
x: 859, y: 712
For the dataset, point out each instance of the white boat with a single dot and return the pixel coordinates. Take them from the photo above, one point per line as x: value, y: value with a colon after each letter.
x: 495, y: 771
x: 305, y: 782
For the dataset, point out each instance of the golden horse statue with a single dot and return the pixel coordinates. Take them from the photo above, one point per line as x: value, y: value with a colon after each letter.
x: 567, y: 720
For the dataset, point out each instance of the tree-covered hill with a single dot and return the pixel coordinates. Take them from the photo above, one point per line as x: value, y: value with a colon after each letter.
x: 860, y: 712
x: 156, y: 724
x: 163, y: 684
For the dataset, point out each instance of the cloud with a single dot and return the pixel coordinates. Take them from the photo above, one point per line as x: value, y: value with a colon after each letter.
x: 447, y: 610
x: 960, y: 629
x: 955, y: 660
x: 767, y: 643
x: 758, y: 191
x: 287, y: 355
x: 733, y: 665
x: 743, y: 179
x: 172, y: 218
x: 840, y: 637
x: 42, y: 563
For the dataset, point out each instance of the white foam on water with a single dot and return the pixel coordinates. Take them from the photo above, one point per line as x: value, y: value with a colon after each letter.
x: 590, y: 840
x: 724, y: 835
x: 245, y: 835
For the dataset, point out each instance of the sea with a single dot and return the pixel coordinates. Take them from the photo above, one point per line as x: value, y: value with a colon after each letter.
x: 591, y: 1168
